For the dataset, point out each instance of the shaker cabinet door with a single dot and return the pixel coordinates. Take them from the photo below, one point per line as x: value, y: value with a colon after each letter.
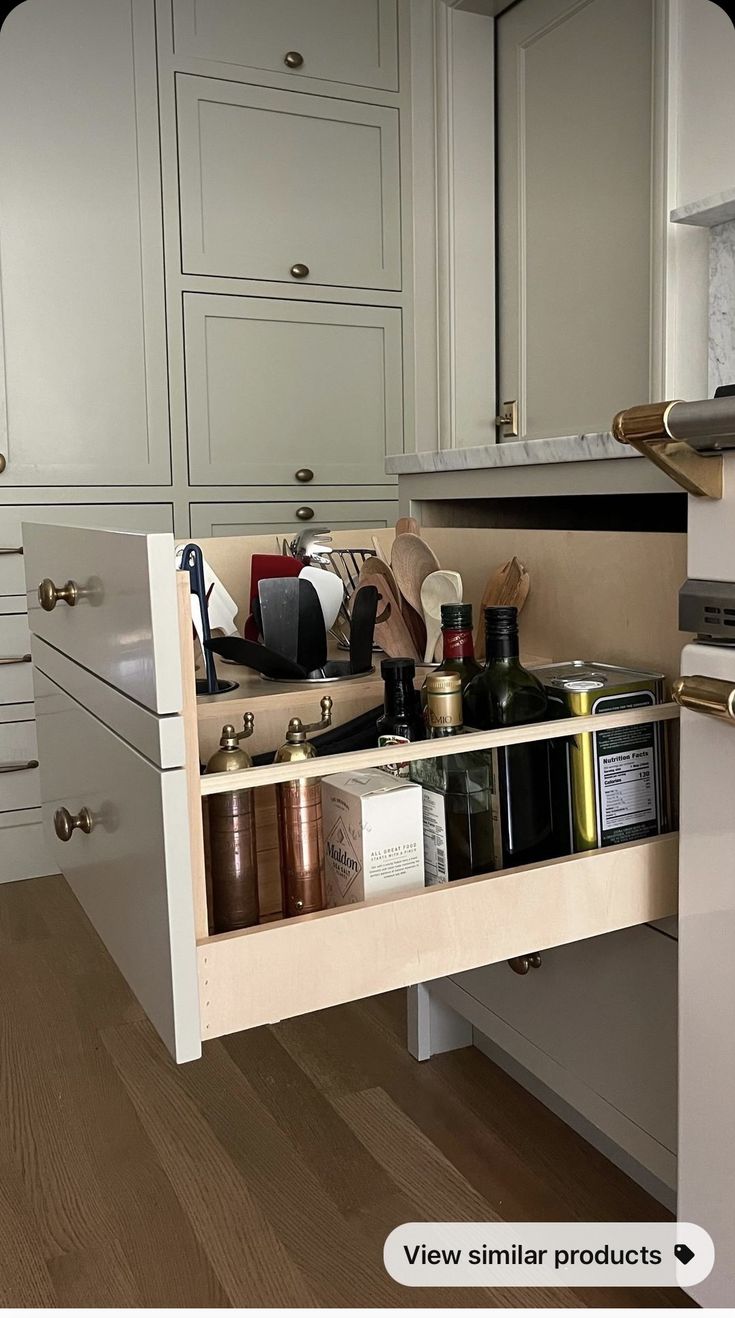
x: 351, y: 41
x: 83, y: 333
x: 285, y: 187
x: 276, y: 386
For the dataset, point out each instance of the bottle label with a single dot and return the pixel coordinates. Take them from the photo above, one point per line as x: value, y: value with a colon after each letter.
x: 402, y: 768
x: 436, y: 868
x: 457, y: 644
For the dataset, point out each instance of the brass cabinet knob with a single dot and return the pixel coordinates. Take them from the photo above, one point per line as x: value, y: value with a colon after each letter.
x: 11, y: 549
x: 65, y: 823
x: 293, y: 59
x: 304, y: 475
x: 15, y: 767
x: 299, y: 270
x: 3, y: 463
x: 15, y: 659
x: 522, y: 964
x: 304, y: 514
x: 50, y: 595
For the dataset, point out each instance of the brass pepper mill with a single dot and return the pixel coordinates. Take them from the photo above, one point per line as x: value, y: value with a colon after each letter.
x: 300, y: 839
x: 233, y: 860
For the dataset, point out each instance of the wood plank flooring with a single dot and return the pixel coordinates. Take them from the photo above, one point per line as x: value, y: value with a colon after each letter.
x: 268, y: 1173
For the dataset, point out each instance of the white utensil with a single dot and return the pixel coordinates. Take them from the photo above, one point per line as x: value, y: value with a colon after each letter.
x: 330, y: 590
x: 442, y: 587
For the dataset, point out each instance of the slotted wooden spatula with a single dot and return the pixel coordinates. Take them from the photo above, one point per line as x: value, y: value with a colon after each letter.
x: 508, y: 585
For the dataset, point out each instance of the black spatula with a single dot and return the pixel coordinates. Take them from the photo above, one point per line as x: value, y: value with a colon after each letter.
x: 311, y: 652
x: 362, y: 628
x: 252, y: 655
x: 279, y: 611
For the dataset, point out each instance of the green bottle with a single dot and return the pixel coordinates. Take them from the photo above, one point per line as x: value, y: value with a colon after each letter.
x: 505, y: 695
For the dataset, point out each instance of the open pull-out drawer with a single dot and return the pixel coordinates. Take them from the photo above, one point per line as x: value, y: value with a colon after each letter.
x: 139, y: 872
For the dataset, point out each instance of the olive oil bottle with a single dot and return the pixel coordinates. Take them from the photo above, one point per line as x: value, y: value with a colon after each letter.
x: 505, y: 695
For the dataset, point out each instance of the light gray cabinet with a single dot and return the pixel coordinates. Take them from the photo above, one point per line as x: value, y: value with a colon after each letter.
x: 257, y: 518
x: 274, y: 386
x: 276, y: 185
x: 83, y: 328
x: 351, y: 41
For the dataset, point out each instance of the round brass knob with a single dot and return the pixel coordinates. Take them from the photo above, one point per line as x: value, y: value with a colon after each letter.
x: 65, y: 823
x: 3, y: 463
x: 304, y: 514
x: 293, y: 59
x: 50, y: 595
x: 522, y: 964
x: 304, y: 475
x: 299, y: 270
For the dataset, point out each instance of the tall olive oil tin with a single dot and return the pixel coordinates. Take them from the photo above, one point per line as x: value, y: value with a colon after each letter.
x: 609, y: 786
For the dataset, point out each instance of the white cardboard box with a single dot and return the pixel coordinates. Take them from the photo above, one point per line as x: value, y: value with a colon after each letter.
x: 373, y: 836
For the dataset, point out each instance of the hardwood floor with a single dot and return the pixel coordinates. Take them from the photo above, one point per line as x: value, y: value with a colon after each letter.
x: 268, y: 1173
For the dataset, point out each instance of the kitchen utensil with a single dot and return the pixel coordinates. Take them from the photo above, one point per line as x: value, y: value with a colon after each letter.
x: 311, y: 652
x: 279, y: 608
x: 508, y: 585
x: 329, y: 588
x: 362, y: 628
x: 193, y: 563
x: 442, y: 587
x: 265, y: 567
x: 265, y: 661
x: 407, y: 526
x: 412, y: 560
x: 334, y: 670
x: 377, y: 567
x: 310, y: 543
x: 391, y: 633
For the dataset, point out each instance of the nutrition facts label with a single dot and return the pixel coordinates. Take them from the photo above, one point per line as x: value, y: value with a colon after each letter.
x: 627, y: 788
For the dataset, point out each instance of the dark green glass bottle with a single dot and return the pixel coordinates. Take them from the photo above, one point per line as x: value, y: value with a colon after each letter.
x: 505, y: 695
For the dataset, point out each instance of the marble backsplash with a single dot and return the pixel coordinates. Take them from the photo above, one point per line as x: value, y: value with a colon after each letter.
x: 721, y: 305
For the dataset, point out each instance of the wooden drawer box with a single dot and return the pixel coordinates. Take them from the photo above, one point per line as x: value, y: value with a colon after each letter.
x: 349, y: 41
x: 140, y: 872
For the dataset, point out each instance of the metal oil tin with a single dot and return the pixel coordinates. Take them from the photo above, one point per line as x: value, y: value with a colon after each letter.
x: 609, y: 786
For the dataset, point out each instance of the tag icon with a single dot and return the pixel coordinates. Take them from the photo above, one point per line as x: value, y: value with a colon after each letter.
x: 684, y: 1253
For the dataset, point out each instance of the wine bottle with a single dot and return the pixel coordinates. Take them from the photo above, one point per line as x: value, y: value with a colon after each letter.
x: 505, y: 695
x: 457, y: 799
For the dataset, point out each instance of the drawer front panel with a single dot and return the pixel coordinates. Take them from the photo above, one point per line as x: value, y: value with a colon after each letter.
x: 350, y: 41
x: 273, y: 387
x: 132, y: 872
x: 120, y: 516
x: 271, y: 180
x: 124, y: 626
x: 16, y: 676
x: 233, y: 519
x: 20, y: 787
x: 605, y: 1011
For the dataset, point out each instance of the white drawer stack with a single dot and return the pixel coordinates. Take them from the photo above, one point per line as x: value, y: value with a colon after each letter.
x: 23, y: 854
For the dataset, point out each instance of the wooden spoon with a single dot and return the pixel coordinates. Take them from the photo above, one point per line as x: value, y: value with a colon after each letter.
x: 407, y: 526
x: 439, y: 588
x: 412, y: 560
x: 377, y: 567
x: 509, y: 585
x: 391, y: 632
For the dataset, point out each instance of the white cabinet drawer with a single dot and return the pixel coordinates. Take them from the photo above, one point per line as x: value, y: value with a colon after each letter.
x: 233, y: 519
x: 271, y: 180
x: 350, y: 41
x: 120, y: 516
x: 603, y: 1010
x: 275, y: 386
x: 16, y: 675
x: 20, y: 787
x: 132, y: 872
x: 124, y: 625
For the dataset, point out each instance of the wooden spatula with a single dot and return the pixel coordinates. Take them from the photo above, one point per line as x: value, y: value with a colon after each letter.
x: 508, y: 585
x: 391, y: 632
x: 407, y: 526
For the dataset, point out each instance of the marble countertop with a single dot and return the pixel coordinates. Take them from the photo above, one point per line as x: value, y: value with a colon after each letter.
x: 511, y: 453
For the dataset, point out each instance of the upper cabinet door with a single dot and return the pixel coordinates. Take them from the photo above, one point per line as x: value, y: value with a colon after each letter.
x: 81, y: 246
x: 574, y: 87
x: 273, y: 386
x: 351, y: 41
x: 280, y: 186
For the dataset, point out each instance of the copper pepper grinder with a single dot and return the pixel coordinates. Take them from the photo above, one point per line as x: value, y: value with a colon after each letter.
x: 233, y: 860
x: 300, y: 839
